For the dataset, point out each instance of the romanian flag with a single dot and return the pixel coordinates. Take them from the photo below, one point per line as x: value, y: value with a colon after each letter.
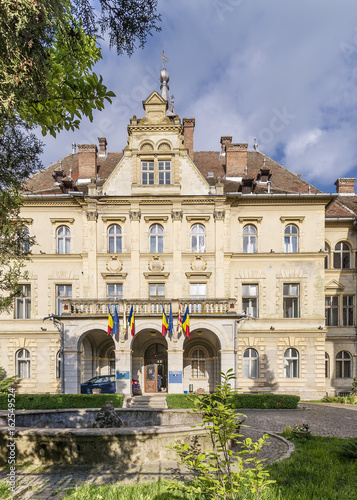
x: 110, y: 322
x: 131, y: 321
x: 186, y: 323
x: 165, y: 323
x: 179, y: 321
x: 115, y: 322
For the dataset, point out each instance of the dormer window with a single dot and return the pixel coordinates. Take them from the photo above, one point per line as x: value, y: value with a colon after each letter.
x: 164, y: 172
x: 147, y: 172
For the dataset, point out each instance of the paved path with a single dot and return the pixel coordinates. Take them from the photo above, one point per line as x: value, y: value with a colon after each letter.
x: 49, y: 482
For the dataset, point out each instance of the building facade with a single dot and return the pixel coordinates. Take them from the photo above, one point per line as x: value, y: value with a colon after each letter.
x: 264, y: 262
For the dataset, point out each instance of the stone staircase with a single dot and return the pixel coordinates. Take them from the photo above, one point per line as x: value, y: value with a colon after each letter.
x: 152, y: 401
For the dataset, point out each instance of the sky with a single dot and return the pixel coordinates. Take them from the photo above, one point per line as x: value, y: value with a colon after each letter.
x: 282, y: 72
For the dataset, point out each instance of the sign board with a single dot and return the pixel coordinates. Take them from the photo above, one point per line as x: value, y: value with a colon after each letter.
x: 122, y: 375
x: 175, y: 377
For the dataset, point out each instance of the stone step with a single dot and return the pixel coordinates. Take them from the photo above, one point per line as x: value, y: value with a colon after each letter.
x: 148, y: 401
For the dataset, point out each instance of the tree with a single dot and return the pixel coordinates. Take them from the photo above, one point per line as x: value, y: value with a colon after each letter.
x: 48, y: 50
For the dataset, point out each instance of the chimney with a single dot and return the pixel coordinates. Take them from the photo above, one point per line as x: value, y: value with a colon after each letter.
x: 188, y: 126
x: 87, y: 161
x: 226, y: 139
x: 236, y: 159
x: 102, y: 146
x: 345, y: 186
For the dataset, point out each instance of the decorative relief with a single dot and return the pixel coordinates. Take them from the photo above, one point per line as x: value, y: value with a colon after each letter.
x: 134, y: 214
x: 198, y: 264
x: 219, y: 214
x: 164, y: 146
x: 92, y: 215
x: 114, y: 265
x: 156, y: 264
x: 176, y: 214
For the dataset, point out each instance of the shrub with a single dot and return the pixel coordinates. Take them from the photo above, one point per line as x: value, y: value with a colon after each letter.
x: 246, y: 401
x: 6, y: 382
x: 61, y: 401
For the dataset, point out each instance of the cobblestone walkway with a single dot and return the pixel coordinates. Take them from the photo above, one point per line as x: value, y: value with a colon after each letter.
x: 49, y: 482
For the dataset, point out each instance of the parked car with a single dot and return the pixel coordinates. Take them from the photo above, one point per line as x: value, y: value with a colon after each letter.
x: 106, y: 384
x: 136, y: 387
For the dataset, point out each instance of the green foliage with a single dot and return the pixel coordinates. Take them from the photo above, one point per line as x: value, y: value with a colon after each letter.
x: 247, y: 401
x: 5, y: 489
x: 6, y: 383
x: 354, y: 386
x: 288, y: 432
x: 61, y: 401
x: 222, y: 473
x: 338, y: 399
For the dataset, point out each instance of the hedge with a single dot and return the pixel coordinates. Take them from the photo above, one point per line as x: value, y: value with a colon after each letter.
x: 60, y: 401
x: 247, y: 401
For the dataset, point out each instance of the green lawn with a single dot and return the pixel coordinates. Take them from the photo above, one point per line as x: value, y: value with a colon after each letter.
x: 315, y: 471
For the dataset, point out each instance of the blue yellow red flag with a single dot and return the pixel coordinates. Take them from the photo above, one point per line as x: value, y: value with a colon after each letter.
x: 110, y: 322
x: 131, y: 321
x: 186, y: 323
x: 165, y: 323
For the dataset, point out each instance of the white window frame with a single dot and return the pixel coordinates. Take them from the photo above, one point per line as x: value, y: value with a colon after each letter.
x: 164, y: 172
x: 63, y: 240
x: 250, y: 239
x: 156, y: 238
x: 348, y: 306
x: 342, y: 256
x: 62, y: 292
x: 291, y: 301
x: 23, y: 363
x: 114, y: 238
x: 250, y: 299
x: 332, y: 310
x: 147, y: 173
x: 23, y: 303
x: 291, y: 363
x: 156, y: 293
x: 198, y: 238
x: 291, y: 238
x: 250, y: 363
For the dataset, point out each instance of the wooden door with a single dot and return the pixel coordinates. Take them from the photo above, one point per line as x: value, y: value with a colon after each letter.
x: 151, y: 377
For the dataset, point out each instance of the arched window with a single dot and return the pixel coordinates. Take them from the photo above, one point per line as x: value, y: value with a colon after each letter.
x: 343, y: 365
x: 156, y: 238
x: 327, y: 256
x: 327, y: 365
x: 198, y: 238
x: 250, y: 363
x: 291, y: 363
x: 23, y: 363
x: 25, y: 240
x: 114, y: 239
x: 63, y: 240
x: 59, y: 364
x: 198, y: 363
x: 291, y: 239
x: 342, y: 256
x: 249, y: 239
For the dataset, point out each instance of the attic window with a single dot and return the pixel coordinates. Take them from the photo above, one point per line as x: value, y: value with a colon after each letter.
x: 210, y: 174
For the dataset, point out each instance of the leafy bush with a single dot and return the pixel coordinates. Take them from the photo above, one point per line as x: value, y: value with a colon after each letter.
x: 339, y: 399
x: 354, y: 385
x: 247, y: 401
x: 61, y: 401
x: 7, y: 382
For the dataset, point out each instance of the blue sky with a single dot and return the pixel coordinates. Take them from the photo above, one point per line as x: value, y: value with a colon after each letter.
x: 282, y: 72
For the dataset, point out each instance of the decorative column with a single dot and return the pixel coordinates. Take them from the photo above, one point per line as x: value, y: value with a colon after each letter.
x: 135, y: 216
x: 176, y: 216
x: 175, y: 364
x: 218, y: 216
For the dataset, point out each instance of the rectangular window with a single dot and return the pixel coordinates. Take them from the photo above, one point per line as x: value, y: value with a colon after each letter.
x: 291, y: 300
x: 114, y: 293
x: 331, y: 310
x: 23, y: 304
x: 164, y: 172
x: 250, y: 300
x: 156, y: 292
x: 62, y: 292
x: 348, y: 307
x: 147, y: 172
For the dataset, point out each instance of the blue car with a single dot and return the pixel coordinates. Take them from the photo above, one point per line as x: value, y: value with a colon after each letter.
x: 106, y: 384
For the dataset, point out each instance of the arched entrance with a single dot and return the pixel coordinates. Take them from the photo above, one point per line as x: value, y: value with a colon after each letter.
x: 97, y: 355
x: 155, y: 368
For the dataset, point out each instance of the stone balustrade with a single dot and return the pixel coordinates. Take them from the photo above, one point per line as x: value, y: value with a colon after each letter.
x: 98, y: 307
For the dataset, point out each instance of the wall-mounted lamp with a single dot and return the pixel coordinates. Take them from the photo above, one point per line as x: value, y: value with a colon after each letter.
x: 153, y: 333
x: 272, y: 328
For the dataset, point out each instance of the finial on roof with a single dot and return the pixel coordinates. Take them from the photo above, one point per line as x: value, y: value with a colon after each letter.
x: 265, y: 159
x: 73, y: 148
x: 164, y: 79
x: 245, y: 170
x: 309, y: 189
x: 70, y: 173
x: 164, y: 59
x: 172, y: 108
x: 255, y: 145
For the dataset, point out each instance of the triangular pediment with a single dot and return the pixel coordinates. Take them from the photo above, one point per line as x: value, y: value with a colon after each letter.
x: 154, y: 98
x: 334, y: 285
